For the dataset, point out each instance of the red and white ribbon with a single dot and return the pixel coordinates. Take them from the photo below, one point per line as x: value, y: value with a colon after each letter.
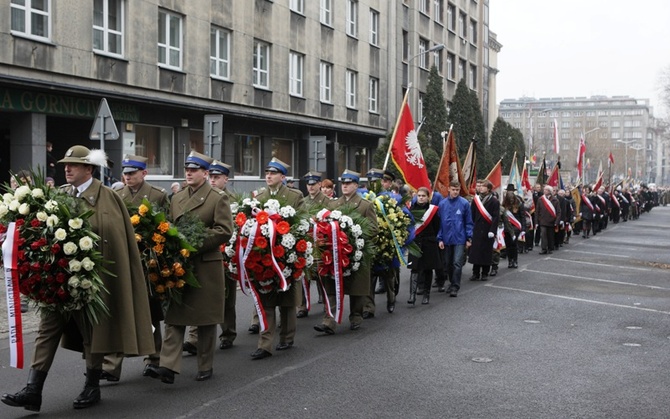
x: 9, y: 257
x: 548, y: 205
x: 425, y: 219
x: 482, y: 210
x: 512, y: 220
x: 243, y: 277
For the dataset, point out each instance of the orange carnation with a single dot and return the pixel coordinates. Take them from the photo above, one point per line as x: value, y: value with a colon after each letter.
x: 261, y: 242
x: 163, y: 226
x: 283, y: 227
x: 240, y: 219
x: 262, y: 217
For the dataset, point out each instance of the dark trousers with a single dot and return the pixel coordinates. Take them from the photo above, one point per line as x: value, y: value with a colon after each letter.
x: 547, y: 236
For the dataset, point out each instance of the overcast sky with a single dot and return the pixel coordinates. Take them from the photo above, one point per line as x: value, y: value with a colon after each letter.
x: 566, y: 48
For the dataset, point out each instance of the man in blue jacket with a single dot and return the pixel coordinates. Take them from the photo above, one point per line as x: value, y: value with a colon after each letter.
x: 455, y: 234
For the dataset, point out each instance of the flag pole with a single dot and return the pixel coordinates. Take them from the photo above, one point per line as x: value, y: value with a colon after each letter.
x: 395, y: 128
x: 444, y: 147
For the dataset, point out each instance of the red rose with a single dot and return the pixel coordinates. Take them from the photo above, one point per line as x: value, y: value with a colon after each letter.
x: 24, y: 268
x: 35, y: 266
x: 35, y: 223
x: 21, y: 255
x: 60, y: 277
x: 20, y: 222
x: 46, y: 267
x: 62, y: 294
x: 63, y: 263
x: 35, y: 245
x: 55, y: 248
x: 278, y: 251
x: 50, y: 279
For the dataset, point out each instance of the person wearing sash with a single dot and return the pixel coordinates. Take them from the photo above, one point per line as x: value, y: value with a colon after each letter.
x: 559, y: 234
x: 357, y: 286
x: 586, y: 212
x: 485, y: 210
x: 606, y: 205
x: 514, y: 225
x: 548, y: 212
x: 537, y: 193
x: 426, y: 229
x: 315, y: 200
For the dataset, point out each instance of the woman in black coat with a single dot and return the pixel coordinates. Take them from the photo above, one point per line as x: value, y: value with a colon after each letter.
x: 426, y: 238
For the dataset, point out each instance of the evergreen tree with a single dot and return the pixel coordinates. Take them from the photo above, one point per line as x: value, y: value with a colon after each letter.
x: 505, y: 141
x: 435, y: 112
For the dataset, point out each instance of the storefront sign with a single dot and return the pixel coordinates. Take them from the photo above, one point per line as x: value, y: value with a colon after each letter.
x: 53, y: 104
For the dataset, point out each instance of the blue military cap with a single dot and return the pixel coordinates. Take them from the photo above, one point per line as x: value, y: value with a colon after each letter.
x: 349, y: 176
x: 132, y: 163
x: 219, y: 168
x: 312, y: 177
x: 197, y: 160
x: 374, y: 174
x: 277, y: 165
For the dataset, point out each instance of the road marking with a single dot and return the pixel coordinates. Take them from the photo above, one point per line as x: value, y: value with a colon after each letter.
x: 596, y: 253
x: 601, y: 264
x: 653, y: 287
x: 578, y: 299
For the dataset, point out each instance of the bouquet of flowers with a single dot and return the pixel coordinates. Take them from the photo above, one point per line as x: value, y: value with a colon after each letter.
x: 270, y: 247
x: 166, y: 251
x: 57, y: 261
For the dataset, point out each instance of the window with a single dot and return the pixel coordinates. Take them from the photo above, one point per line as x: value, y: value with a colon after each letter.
x: 219, y: 54
x: 423, y: 47
x: 420, y: 113
x: 156, y: 143
x: 473, y: 77
x: 32, y: 18
x: 473, y: 31
x: 108, y: 27
x: 352, y: 17
x: 542, y: 125
x: 374, y: 27
x: 353, y: 157
x: 565, y: 124
x: 602, y: 124
x: 578, y: 124
x: 437, y: 60
x: 261, y: 64
x: 451, y: 66
x: 439, y: 10
x: 295, y: 70
x: 327, y: 12
x: 405, y: 46
x: 461, y: 25
x: 297, y: 6
x: 374, y: 96
x: 325, y: 82
x: 424, y: 6
x: 578, y: 113
x: 616, y: 124
x: 283, y: 150
x: 451, y: 17
x: 169, y: 40
x: 461, y: 70
x: 616, y: 134
x: 566, y: 114
x: 351, y: 88
x: 565, y: 145
x: 247, y: 155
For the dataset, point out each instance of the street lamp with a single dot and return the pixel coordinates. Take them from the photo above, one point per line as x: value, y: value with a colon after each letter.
x: 434, y: 48
x: 585, y: 136
x: 637, y: 147
x: 626, y: 142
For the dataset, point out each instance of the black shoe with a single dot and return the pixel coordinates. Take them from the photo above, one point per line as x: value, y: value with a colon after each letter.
x: 544, y: 252
x: 324, y: 329
x: 484, y: 277
x: 354, y: 326
x: 493, y: 272
x: 109, y: 377
x: 190, y: 348
x: 260, y: 354
x: 390, y: 307
x: 368, y: 315
x: 254, y: 329
x: 301, y: 314
x: 166, y: 375
x: 282, y: 346
x: 204, y: 375
x: 146, y: 372
x: 441, y: 289
x: 87, y: 398
x: 474, y: 278
x: 453, y: 292
x: 225, y: 344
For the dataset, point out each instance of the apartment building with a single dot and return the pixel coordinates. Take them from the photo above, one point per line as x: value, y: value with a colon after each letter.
x: 316, y: 84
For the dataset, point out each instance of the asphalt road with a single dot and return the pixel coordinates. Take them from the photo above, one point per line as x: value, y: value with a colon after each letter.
x: 583, y: 333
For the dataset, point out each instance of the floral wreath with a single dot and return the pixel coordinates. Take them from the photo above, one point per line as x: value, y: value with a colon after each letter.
x: 56, y: 251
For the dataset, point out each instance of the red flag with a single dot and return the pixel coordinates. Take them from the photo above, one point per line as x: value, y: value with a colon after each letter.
x: 495, y: 176
x: 554, y: 177
x: 599, y: 178
x: 525, y: 181
x: 470, y: 170
x: 556, y: 145
x: 580, y: 157
x: 610, y: 161
x: 406, y: 151
x: 450, y: 168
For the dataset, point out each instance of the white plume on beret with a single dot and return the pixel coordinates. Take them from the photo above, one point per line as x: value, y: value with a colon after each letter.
x: 97, y: 158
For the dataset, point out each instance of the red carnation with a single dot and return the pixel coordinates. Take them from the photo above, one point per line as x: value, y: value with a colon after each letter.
x: 301, y: 246
x: 300, y: 263
x: 278, y: 251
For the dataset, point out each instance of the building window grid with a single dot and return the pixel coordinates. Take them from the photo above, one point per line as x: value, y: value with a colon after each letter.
x: 351, y: 89
x: 437, y: 60
x: 423, y: 47
x: 326, y: 82
x: 169, y: 40
x: 473, y: 31
x: 374, y: 27
x: 108, y: 24
x: 420, y: 106
x: 261, y: 65
x: 296, y: 66
x: 297, y: 6
x: 219, y: 59
x: 352, y: 18
x: 327, y: 12
x: 438, y: 10
x: 451, y: 17
x: 31, y: 18
x: 451, y: 66
x: 473, y: 77
x: 374, y: 96
x: 462, y: 26
x: 424, y: 6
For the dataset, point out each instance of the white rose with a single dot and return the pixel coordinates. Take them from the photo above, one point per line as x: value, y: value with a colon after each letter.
x: 41, y: 215
x: 4, y: 209
x: 52, y: 220
x: 37, y: 193
x: 73, y: 281
x: 86, y: 284
x: 86, y: 243
x: 60, y: 234
x: 21, y: 192
x: 87, y: 264
x: 70, y: 248
x: 75, y: 265
x: 234, y: 206
x: 75, y: 223
x: 24, y: 209
x: 7, y: 198
x: 74, y: 293
x: 51, y: 205
x: 14, y: 205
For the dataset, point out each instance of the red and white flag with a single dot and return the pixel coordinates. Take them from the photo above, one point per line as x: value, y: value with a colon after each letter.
x: 406, y: 151
x: 610, y: 160
x: 495, y: 176
x: 557, y: 149
x: 525, y: 181
x: 599, y: 178
x: 10, y: 252
x: 580, y: 157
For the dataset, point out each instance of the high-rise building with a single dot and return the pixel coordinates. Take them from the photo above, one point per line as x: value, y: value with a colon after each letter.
x: 317, y: 84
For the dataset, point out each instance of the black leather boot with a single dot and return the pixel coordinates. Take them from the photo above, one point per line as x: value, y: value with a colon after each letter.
x: 91, y: 393
x: 413, y: 283
x: 426, y: 277
x: 30, y: 398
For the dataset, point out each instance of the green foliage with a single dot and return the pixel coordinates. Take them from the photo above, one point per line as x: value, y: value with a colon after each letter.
x: 466, y: 115
x: 505, y: 141
x: 435, y: 113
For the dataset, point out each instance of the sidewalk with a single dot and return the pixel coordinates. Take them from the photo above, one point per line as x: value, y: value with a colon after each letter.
x: 29, y: 320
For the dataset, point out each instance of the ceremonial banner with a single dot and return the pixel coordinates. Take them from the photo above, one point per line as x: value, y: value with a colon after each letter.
x: 406, y: 151
x: 470, y: 170
x: 495, y: 176
x: 9, y: 259
x: 450, y: 168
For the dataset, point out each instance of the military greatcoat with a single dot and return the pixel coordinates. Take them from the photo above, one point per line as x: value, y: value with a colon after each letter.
x: 156, y: 196
x: 481, y: 251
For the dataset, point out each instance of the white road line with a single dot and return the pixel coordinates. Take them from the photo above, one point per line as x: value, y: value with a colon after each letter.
x: 651, y: 287
x: 601, y: 264
x: 578, y: 299
x: 596, y: 253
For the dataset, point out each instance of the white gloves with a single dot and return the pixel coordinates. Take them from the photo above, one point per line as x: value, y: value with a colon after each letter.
x: 580, y: 214
x: 490, y: 235
x: 561, y: 223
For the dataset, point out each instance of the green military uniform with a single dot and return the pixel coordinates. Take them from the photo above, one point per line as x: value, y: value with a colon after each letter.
x: 157, y: 196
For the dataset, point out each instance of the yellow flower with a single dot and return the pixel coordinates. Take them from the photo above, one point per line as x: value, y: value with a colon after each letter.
x: 138, y: 237
x: 181, y: 283
x: 170, y: 284
x: 160, y: 289
x: 157, y: 238
x: 143, y: 209
x: 158, y: 248
x: 185, y: 253
x: 163, y: 226
x: 135, y: 219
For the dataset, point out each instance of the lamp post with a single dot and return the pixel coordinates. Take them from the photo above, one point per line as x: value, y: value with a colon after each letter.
x: 637, y: 147
x: 434, y: 48
x: 585, y: 136
x: 625, y: 143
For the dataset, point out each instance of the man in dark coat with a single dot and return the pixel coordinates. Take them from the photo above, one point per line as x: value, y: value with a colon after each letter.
x: 358, y: 285
x: 127, y: 329
x: 548, y: 213
x: 275, y: 174
x: 485, y: 217
x: 204, y: 306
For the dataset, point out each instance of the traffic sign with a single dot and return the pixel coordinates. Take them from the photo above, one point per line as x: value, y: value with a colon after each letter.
x: 104, y: 124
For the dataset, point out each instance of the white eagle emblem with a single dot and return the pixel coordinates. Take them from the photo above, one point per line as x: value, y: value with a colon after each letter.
x: 413, y: 150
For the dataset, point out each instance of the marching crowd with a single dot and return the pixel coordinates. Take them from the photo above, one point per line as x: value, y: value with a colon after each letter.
x: 448, y: 230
